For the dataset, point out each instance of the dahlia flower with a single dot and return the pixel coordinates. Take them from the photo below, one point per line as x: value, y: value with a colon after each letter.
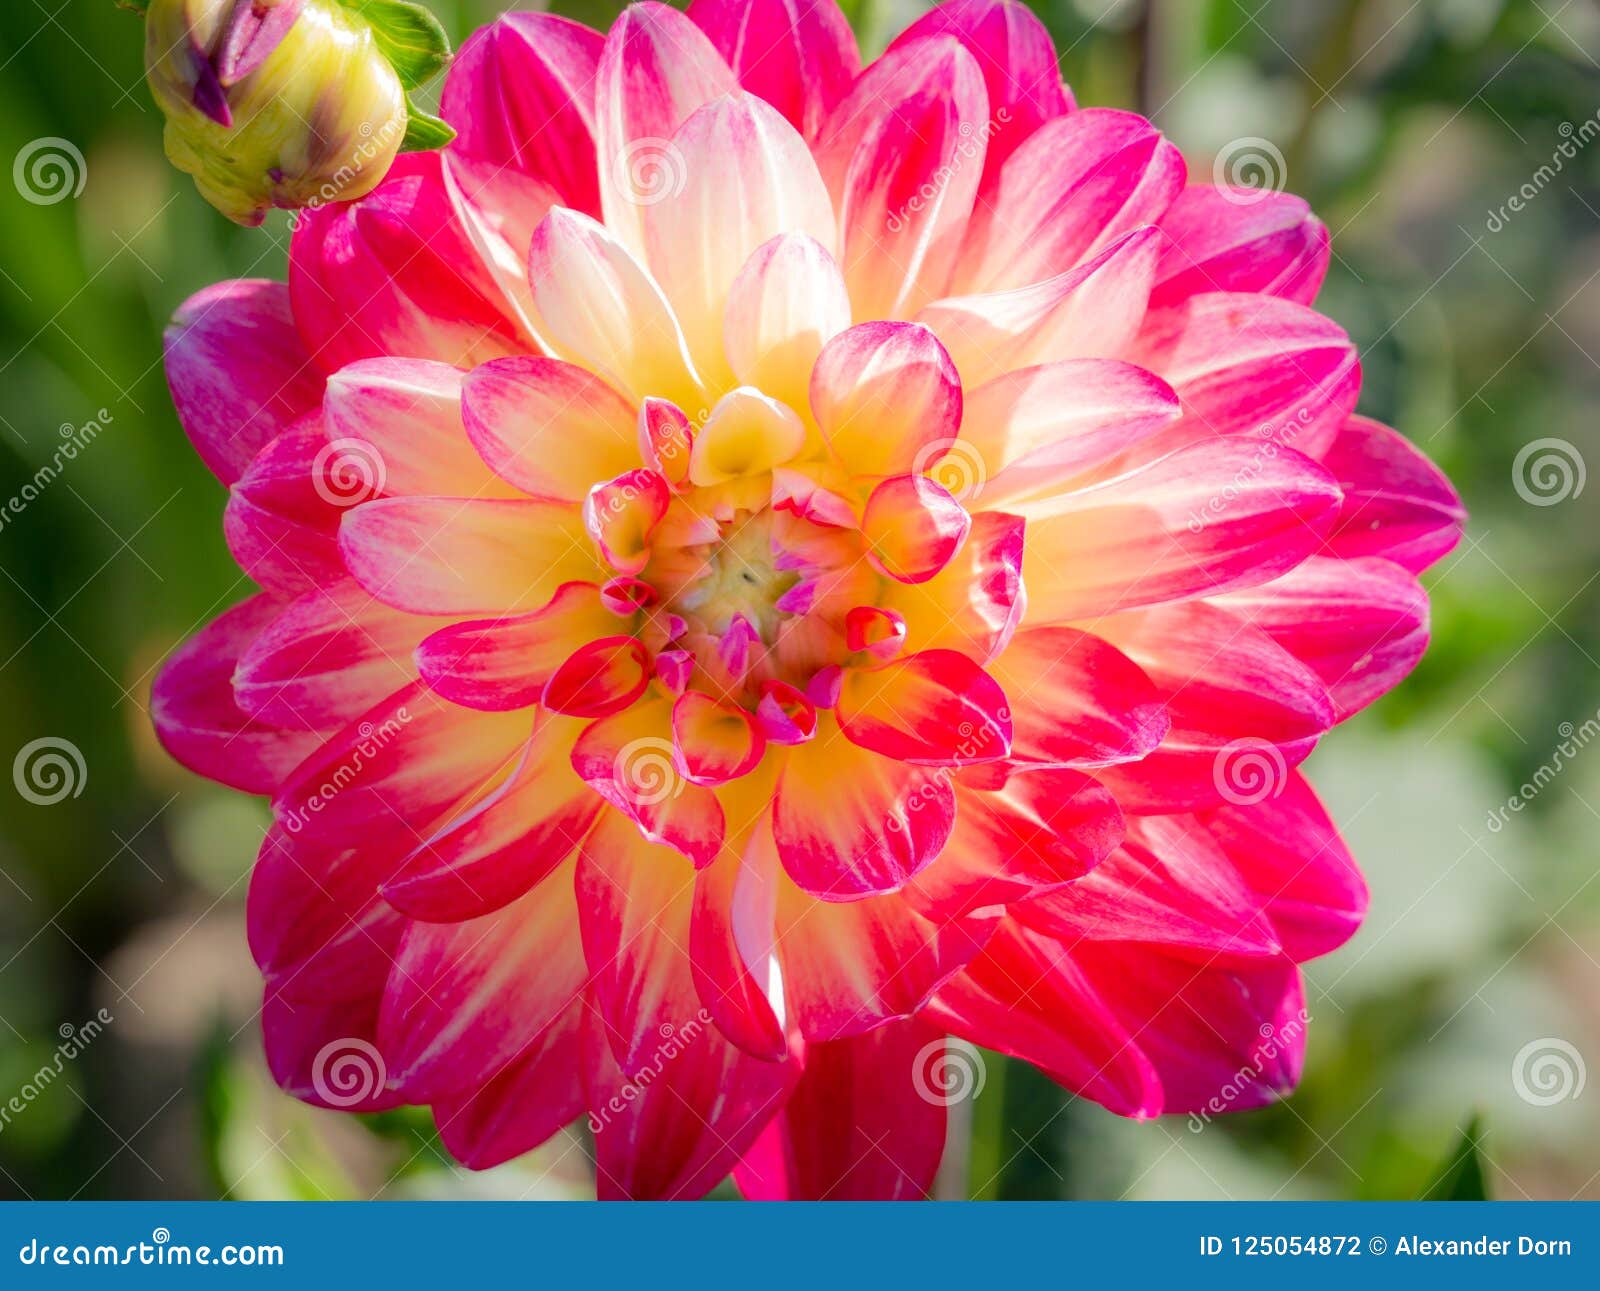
x: 767, y: 565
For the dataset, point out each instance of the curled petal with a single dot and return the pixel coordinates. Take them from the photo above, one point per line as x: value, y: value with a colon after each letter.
x: 886, y: 397
x: 936, y: 707
x: 913, y: 527
x: 747, y: 433
x: 714, y: 741
x: 621, y: 514
x: 974, y: 603
x: 600, y: 678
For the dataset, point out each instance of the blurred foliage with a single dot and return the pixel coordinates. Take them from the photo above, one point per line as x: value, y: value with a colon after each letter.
x: 1406, y: 124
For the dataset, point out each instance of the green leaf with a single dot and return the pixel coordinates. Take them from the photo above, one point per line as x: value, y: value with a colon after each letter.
x: 424, y: 132
x: 409, y: 36
x: 1460, y: 1177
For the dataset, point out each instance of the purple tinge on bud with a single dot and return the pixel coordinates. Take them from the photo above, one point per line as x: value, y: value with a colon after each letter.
x: 209, y: 96
x: 256, y: 28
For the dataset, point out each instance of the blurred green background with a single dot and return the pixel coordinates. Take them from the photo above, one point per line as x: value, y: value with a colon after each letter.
x: 1408, y: 124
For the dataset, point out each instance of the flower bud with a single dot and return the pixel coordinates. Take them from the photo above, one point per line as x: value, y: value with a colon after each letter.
x: 268, y: 103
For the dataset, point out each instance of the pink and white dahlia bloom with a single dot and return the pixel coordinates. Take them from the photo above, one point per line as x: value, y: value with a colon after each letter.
x: 767, y: 564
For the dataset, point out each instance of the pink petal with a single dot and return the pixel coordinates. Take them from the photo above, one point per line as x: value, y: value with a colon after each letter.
x: 504, y: 843
x: 467, y: 1000
x: 239, y: 372
x: 1252, y: 366
x: 500, y: 664
x: 974, y: 603
x: 599, y: 678
x: 1078, y: 184
x: 714, y: 741
x: 655, y: 69
x: 1168, y: 885
x: 628, y: 759
x: 528, y: 1101
x: 913, y: 527
x: 1242, y: 708
x: 849, y: 822
x: 328, y: 657
x: 902, y: 154
x: 1397, y: 503
x: 936, y: 708
x: 549, y: 428
x: 676, y: 1136
x: 1018, y: 59
x: 595, y: 303
x: 1025, y: 995
x: 1361, y: 625
x: 520, y: 93
x: 1091, y: 311
x: 463, y: 556
x: 404, y: 416
x: 798, y: 55
x: 1076, y: 699
x: 1040, y: 829
x: 864, y: 1123
x: 851, y: 966
x: 1218, y: 240
x: 747, y: 177
x: 1290, y: 853
x: 200, y: 722
x: 1036, y: 429
x: 282, y: 518
x: 397, y: 272
x: 885, y: 396
x: 1217, y: 515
